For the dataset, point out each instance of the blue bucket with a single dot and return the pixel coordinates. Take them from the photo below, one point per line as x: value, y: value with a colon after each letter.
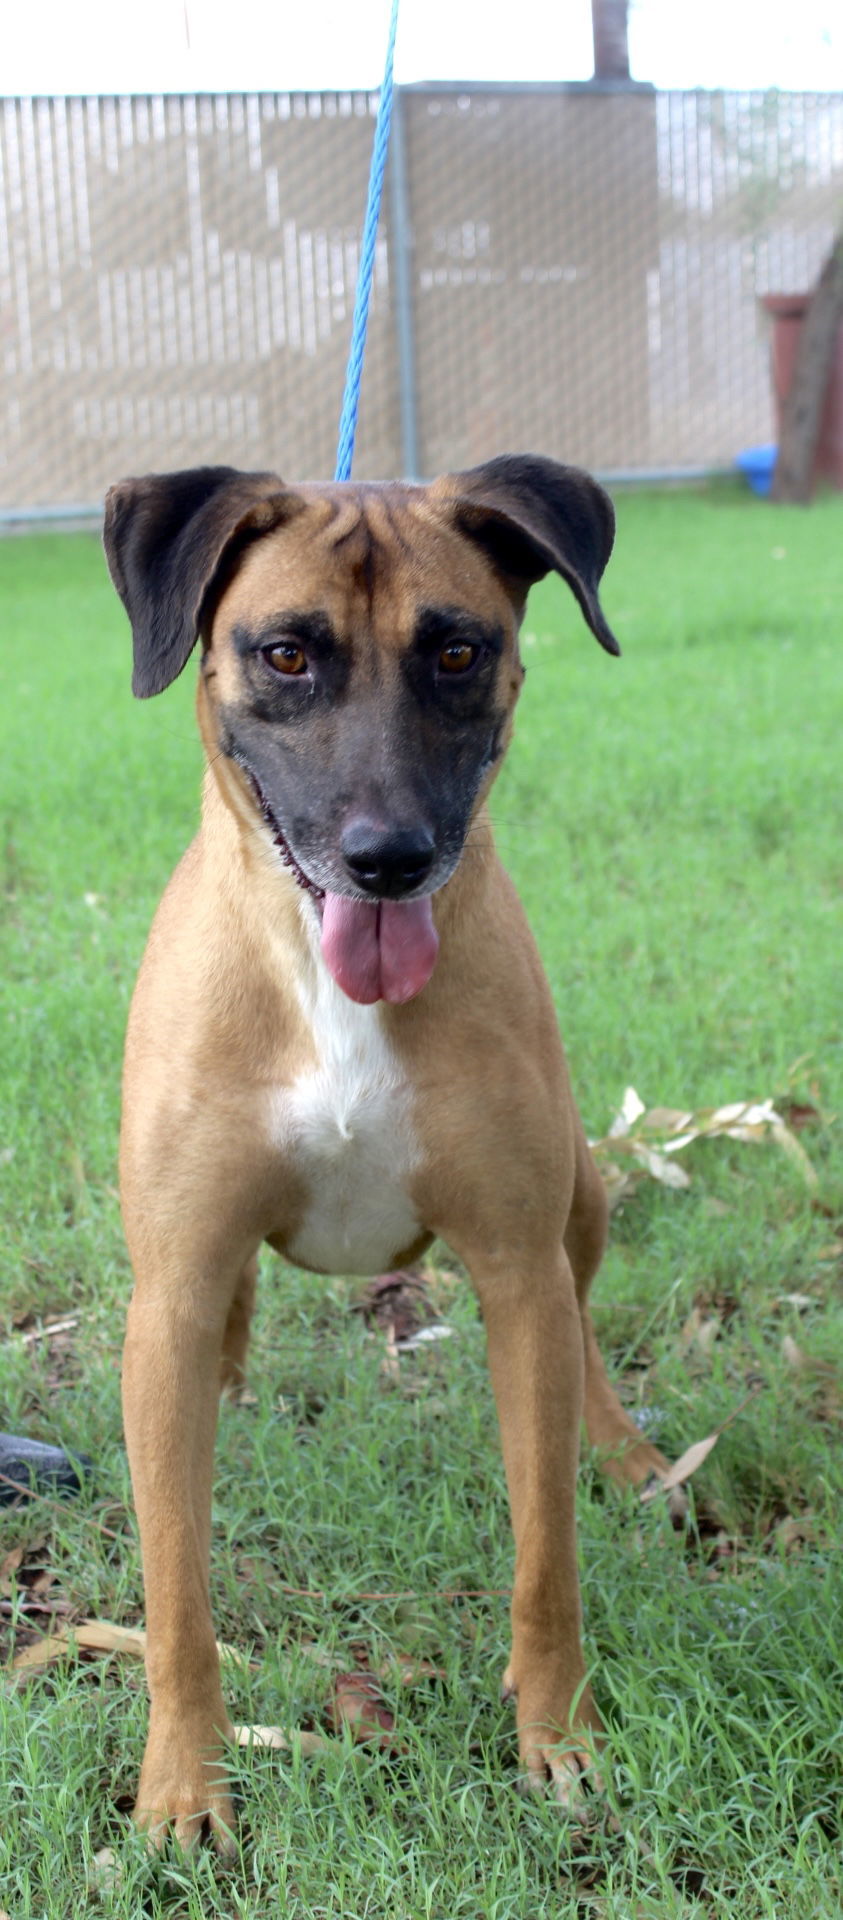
x: 757, y: 464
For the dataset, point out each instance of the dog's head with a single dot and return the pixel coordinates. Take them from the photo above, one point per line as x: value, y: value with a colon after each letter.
x: 360, y: 664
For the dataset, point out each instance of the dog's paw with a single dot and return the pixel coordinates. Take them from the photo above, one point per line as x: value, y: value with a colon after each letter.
x: 568, y: 1769
x: 187, y: 1818
x: 184, y: 1796
x: 566, y: 1765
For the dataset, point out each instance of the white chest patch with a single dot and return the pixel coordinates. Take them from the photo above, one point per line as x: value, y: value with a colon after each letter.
x: 348, y: 1123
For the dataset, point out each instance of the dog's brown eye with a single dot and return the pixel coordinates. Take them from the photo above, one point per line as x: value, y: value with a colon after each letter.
x: 286, y: 657
x: 457, y: 658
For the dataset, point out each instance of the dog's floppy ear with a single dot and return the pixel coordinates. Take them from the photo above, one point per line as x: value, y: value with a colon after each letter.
x: 533, y: 516
x: 165, y: 538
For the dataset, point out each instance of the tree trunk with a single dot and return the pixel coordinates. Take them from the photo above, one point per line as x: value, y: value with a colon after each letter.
x: 802, y: 412
x: 611, y: 47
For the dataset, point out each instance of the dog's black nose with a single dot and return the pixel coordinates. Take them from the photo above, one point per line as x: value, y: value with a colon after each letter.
x: 387, y: 861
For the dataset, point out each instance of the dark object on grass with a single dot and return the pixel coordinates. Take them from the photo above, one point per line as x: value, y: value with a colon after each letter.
x: 36, y: 1468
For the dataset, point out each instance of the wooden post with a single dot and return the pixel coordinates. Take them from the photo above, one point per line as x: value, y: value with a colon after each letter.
x: 611, y: 45
x: 802, y: 411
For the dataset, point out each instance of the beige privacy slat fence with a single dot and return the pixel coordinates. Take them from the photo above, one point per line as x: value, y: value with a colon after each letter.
x: 565, y: 268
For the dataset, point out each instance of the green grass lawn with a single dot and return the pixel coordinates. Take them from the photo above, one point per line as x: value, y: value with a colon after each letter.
x: 674, y: 822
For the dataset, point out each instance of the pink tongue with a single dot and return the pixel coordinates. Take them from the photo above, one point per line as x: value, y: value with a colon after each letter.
x: 383, y: 951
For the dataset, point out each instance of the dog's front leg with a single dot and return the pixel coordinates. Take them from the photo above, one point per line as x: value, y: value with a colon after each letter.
x: 536, y: 1363
x: 171, y: 1378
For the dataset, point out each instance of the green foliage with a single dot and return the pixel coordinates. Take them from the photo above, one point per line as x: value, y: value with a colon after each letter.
x: 673, y: 823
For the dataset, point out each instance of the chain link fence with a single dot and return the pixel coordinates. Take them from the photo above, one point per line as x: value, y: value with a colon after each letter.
x: 573, y: 269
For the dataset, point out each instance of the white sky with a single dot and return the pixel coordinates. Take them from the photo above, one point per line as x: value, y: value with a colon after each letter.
x: 151, y: 46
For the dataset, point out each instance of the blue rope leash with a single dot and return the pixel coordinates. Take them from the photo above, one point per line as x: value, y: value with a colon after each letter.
x: 351, y: 396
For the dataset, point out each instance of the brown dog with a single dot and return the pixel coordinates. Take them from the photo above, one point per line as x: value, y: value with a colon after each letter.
x: 341, y: 1040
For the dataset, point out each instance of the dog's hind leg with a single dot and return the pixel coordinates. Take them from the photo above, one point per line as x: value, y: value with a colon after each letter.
x: 623, y: 1453
x: 235, y: 1340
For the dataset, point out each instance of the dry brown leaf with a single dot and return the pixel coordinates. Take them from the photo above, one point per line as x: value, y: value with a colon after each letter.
x: 700, y: 1330
x: 102, y: 1636
x: 792, y: 1533
x: 255, y: 1736
x: 683, y: 1468
x: 410, y: 1671
x: 801, y: 1362
x: 667, y: 1172
x: 42, y: 1654
x: 105, y: 1871
x: 708, y: 1333
x: 97, y: 1636
x: 426, y: 1337
x: 793, y: 1355
x: 32, y: 1560
x: 308, y: 1743
x: 9, y: 1565
x: 358, y: 1704
x: 42, y: 1581
x: 690, y: 1328
x: 694, y: 1456
x: 616, y: 1183
x: 667, y: 1120
x: 631, y: 1109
